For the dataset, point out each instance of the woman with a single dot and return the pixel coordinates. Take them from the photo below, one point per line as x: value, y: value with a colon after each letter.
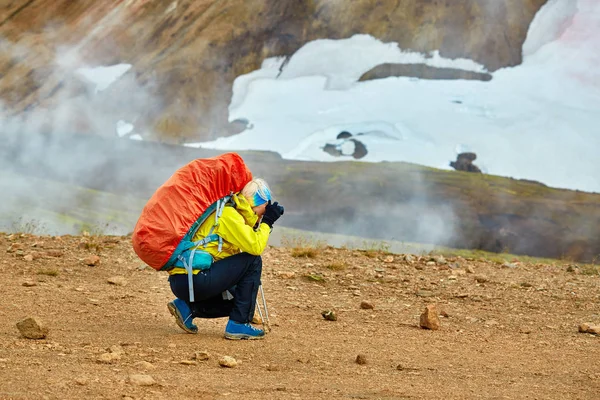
x: 244, y: 229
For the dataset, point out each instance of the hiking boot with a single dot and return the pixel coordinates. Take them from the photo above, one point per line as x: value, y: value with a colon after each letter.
x: 183, y: 315
x: 235, y: 331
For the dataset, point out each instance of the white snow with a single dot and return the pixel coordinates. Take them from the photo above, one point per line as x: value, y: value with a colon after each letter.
x: 539, y: 120
x: 103, y: 76
x: 344, y: 61
x: 124, y: 128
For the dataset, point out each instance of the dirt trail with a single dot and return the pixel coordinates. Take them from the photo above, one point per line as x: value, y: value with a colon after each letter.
x: 510, y: 331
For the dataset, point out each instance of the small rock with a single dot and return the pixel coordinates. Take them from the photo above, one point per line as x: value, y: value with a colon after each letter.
x: 188, y: 362
x: 365, y: 305
x: 409, y: 258
x: 481, y: 279
x: 595, y: 329
x: 388, y: 259
x: 589, y: 328
x: 201, y: 355
x: 28, y: 258
x: 32, y: 328
x: 29, y: 284
x: 109, y: 358
x: 145, y: 365
x: 469, y: 270
x: 141, y: 380
x: 117, y: 280
x: 329, y: 315
x: 361, y: 359
x: 424, y: 293
x: 228, y: 362
x: 439, y: 259
x: 116, y: 349
x: 509, y: 265
x: 92, y: 261
x: 430, y: 319
x: 573, y: 268
x: 256, y: 319
x: 285, y: 274
x: 273, y: 367
x: 53, y: 253
x: 430, y: 263
x: 14, y: 247
x: 81, y: 381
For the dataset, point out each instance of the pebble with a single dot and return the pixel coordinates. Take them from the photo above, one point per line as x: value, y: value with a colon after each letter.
x: 117, y: 280
x: 589, y: 328
x: 145, y: 365
x: 329, y: 315
x: 109, y: 358
x: 188, y: 362
x: 439, y: 259
x: 29, y: 284
x: 201, y: 355
x: 32, y: 328
x: 430, y: 318
x: 228, y: 362
x: 361, y: 359
x: 92, y: 261
x: 141, y: 380
x: 81, y: 381
x: 286, y: 274
x: 366, y: 305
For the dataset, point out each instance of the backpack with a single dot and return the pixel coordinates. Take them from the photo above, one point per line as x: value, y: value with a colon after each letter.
x: 163, y: 234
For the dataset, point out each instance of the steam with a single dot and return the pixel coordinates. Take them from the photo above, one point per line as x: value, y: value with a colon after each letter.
x: 35, y: 131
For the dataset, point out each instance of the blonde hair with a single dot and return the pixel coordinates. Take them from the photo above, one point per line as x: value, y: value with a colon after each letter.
x: 257, y: 192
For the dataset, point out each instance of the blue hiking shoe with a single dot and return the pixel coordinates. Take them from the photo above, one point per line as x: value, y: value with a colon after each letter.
x: 235, y: 331
x: 183, y: 315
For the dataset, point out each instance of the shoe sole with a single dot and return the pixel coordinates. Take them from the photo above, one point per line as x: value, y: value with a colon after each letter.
x: 242, y: 336
x: 178, y: 318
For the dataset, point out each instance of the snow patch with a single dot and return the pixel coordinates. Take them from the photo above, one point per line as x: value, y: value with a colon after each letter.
x: 102, y: 76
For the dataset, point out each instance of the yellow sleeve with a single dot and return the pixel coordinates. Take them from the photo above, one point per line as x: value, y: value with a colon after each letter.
x: 233, y: 229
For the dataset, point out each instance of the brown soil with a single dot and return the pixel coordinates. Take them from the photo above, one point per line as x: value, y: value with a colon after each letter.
x: 510, y: 332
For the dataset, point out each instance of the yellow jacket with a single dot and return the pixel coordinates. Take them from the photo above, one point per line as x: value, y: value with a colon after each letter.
x: 235, y: 227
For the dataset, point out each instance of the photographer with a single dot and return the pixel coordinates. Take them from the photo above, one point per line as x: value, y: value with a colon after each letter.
x: 229, y: 287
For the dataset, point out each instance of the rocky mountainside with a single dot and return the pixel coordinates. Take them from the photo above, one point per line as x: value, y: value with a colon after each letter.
x: 186, y: 53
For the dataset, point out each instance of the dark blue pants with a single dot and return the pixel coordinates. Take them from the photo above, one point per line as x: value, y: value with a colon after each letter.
x: 240, y: 274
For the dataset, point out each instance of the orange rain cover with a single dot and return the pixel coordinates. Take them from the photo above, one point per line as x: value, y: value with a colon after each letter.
x: 181, y: 200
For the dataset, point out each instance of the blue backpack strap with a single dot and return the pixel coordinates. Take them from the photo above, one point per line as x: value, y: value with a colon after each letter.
x: 190, y: 275
x: 187, y: 244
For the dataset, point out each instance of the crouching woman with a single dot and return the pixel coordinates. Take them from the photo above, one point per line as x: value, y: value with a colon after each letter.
x: 230, y: 286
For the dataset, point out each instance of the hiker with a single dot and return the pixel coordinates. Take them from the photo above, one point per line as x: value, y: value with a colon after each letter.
x: 229, y: 287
